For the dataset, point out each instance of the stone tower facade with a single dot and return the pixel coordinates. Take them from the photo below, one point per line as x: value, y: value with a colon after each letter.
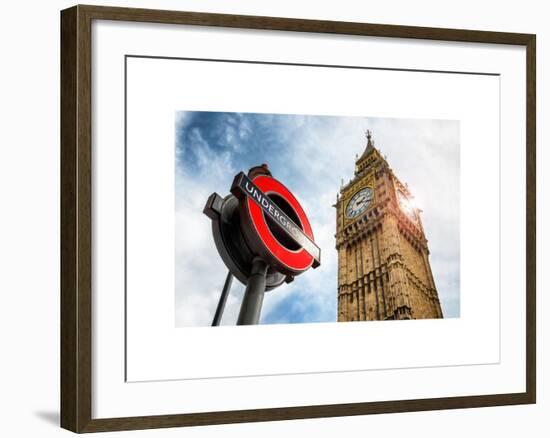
x: 384, y: 271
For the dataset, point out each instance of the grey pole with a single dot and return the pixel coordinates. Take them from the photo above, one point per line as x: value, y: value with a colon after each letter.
x: 251, y: 306
x: 223, y: 299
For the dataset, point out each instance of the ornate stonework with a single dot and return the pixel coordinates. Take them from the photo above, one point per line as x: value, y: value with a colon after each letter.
x: 383, y: 266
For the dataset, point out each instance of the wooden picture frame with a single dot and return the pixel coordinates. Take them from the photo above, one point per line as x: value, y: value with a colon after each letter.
x: 76, y: 217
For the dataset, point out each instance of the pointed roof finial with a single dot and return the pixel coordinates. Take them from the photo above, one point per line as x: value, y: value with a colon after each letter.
x: 368, y: 134
x: 370, y: 145
x: 370, y: 141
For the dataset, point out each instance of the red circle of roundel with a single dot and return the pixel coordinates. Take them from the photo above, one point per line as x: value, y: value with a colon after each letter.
x: 298, y: 260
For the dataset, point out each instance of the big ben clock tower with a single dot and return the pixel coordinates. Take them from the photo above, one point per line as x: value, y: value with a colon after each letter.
x: 383, y: 267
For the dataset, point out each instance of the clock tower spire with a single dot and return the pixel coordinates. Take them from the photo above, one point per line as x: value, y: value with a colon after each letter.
x: 370, y: 144
x: 383, y: 265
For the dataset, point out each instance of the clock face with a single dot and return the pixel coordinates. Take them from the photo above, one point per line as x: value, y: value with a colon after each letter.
x: 359, y: 203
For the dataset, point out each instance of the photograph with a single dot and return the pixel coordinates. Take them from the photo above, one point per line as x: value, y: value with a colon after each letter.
x: 378, y: 197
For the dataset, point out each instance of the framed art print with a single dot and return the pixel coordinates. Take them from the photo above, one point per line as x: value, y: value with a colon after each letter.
x: 268, y: 218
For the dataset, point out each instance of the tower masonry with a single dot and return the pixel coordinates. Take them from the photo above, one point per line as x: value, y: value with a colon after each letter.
x: 384, y: 270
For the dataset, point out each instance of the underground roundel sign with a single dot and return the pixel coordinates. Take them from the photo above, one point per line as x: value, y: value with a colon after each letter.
x: 275, y: 225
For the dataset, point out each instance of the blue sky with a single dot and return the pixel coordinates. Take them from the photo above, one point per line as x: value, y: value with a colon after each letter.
x: 310, y: 155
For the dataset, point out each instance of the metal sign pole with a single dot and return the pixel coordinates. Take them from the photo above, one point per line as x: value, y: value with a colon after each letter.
x: 223, y: 299
x: 251, y: 306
